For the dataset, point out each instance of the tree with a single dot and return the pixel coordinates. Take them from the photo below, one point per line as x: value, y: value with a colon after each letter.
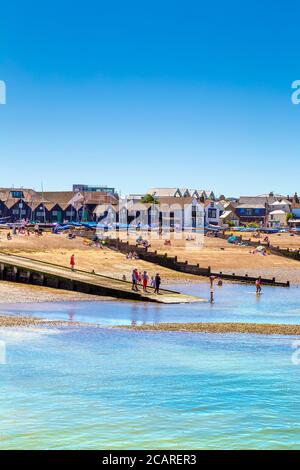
x: 149, y: 199
x: 289, y: 216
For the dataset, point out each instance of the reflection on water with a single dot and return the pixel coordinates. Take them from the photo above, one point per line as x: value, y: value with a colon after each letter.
x: 107, y: 389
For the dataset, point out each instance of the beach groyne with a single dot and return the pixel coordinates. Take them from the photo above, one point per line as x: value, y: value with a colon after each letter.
x: 172, y: 262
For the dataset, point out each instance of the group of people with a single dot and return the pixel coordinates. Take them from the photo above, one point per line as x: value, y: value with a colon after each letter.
x: 132, y: 255
x: 143, y: 279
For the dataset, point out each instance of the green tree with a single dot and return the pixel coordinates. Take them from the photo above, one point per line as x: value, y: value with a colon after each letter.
x: 149, y: 199
x: 289, y: 216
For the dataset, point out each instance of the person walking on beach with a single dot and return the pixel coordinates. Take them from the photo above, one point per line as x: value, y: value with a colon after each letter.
x: 72, y: 262
x: 145, y: 281
x: 152, y: 282
x: 258, y: 285
x: 134, y: 278
x: 157, y: 283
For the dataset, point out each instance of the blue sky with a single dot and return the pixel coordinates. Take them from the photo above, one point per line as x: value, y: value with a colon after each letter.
x: 139, y: 94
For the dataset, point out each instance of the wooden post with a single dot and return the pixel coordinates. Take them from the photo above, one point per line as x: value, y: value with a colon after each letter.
x: 15, y: 273
x: 2, y: 269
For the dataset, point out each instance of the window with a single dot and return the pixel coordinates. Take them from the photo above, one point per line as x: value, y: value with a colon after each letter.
x: 17, y: 194
x: 212, y: 213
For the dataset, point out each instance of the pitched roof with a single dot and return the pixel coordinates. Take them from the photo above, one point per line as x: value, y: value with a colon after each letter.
x: 163, y: 192
x: 250, y: 206
x: 226, y: 214
x: 277, y: 212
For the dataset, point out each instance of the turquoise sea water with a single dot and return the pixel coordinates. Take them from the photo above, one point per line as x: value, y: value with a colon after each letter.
x: 99, y: 388
x: 233, y: 303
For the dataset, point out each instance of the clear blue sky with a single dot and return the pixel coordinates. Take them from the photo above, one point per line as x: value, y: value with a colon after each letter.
x: 136, y: 94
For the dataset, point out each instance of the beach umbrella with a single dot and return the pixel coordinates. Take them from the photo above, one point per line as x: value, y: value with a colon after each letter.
x: 232, y: 239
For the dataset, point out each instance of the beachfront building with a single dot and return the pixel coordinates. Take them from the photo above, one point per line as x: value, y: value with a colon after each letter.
x: 49, y: 207
x: 277, y: 218
x: 89, y: 188
x: 229, y: 216
x: 212, y: 212
x: 168, y: 213
x: 255, y: 209
x: 199, y: 194
x: 278, y: 213
x: 252, y: 213
x: 180, y: 213
x: 265, y: 209
x: 295, y: 209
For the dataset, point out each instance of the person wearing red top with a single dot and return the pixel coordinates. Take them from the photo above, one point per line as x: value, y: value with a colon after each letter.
x: 145, y: 281
x: 72, y: 262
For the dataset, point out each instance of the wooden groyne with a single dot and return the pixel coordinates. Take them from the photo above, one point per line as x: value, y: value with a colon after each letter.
x: 172, y: 262
x: 30, y: 271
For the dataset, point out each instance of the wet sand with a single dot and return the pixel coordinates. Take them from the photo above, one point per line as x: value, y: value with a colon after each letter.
x: 252, y: 328
x: 12, y: 293
x: 7, y: 321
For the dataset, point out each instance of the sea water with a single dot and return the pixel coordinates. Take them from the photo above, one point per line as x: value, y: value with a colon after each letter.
x: 103, y: 388
x: 233, y: 303
x: 90, y: 388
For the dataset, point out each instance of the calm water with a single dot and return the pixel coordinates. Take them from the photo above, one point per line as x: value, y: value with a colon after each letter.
x: 94, y: 388
x: 233, y: 303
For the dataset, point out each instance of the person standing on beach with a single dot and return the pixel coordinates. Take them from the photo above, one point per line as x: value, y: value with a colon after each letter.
x: 134, y: 278
x: 145, y: 281
x: 72, y: 262
x: 157, y: 283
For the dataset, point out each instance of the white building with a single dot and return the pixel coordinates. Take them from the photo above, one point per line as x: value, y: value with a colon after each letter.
x: 212, y: 212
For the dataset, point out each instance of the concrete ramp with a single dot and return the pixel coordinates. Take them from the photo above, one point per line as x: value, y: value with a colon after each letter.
x: 28, y: 270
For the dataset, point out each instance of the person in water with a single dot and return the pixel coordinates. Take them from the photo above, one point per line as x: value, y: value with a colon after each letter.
x: 258, y: 285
